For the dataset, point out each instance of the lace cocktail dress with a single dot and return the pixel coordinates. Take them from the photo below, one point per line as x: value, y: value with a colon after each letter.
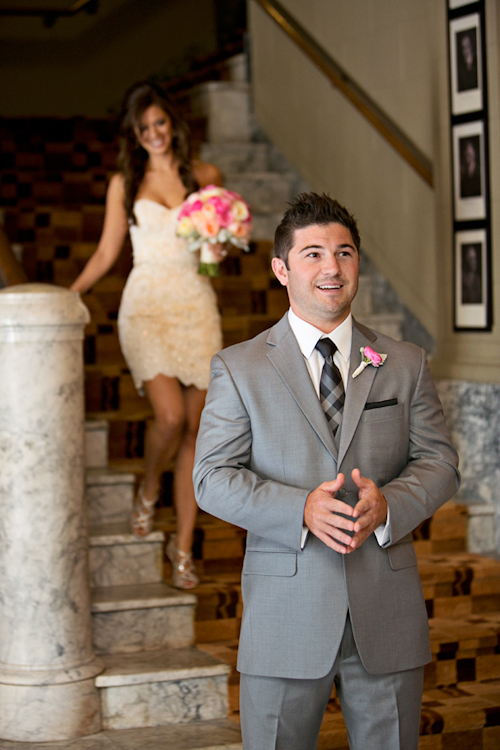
x: 168, y: 321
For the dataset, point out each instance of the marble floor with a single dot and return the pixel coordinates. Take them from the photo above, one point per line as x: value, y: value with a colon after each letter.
x: 220, y: 734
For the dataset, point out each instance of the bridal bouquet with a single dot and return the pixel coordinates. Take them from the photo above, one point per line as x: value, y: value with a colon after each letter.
x: 214, y: 215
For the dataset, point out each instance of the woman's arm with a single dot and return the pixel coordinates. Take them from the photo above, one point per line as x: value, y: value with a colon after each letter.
x: 114, y: 232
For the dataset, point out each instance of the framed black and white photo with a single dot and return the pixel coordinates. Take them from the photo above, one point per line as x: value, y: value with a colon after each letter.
x: 469, y: 175
x: 466, y: 69
x: 473, y: 305
x: 472, y: 280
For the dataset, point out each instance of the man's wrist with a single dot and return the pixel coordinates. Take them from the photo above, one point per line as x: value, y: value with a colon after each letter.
x: 386, y: 509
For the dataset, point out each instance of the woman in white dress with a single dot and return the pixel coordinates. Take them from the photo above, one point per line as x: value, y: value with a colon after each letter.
x: 168, y: 322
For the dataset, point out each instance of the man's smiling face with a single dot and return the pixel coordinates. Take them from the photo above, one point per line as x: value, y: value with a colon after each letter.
x: 322, y: 274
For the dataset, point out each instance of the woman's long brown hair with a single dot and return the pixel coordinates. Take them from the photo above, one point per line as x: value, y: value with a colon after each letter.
x: 132, y: 158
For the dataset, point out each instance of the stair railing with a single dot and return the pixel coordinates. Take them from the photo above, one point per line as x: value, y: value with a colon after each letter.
x: 347, y: 86
x: 11, y: 271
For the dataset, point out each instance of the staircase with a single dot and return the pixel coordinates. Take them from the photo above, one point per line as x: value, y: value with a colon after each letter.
x: 143, y: 628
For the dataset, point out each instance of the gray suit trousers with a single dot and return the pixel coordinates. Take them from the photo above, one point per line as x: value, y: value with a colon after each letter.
x: 381, y: 712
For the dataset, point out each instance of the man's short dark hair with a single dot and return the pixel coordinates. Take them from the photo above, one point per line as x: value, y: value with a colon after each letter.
x: 308, y: 209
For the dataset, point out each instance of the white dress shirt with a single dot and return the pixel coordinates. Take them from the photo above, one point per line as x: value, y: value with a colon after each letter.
x: 307, y: 337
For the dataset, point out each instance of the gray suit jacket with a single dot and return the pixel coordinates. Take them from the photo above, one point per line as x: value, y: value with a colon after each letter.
x: 264, y: 444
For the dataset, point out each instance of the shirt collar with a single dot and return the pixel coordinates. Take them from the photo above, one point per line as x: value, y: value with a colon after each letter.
x: 308, y: 335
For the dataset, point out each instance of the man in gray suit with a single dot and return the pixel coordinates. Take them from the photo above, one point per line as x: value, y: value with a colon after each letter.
x: 329, y: 464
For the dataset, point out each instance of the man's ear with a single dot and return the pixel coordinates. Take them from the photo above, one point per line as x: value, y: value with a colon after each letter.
x: 280, y: 270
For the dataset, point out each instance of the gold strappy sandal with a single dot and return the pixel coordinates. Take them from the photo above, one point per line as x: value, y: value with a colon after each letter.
x: 143, y: 511
x: 183, y: 572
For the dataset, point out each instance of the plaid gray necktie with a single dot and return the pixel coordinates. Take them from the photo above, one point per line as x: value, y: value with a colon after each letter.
x: 331, y: 388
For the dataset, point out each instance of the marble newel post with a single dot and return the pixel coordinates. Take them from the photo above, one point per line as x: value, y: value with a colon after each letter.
x: 47, y: 666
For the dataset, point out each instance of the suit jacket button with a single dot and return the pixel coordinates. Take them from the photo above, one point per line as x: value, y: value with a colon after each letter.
x: 342, y: 492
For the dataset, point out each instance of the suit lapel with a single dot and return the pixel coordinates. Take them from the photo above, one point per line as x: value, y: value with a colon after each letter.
x: 357, y: 388
x: 285, y: 355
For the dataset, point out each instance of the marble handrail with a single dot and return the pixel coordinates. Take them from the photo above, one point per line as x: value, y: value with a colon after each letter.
x: 47, y: 665
x: 387, y: 128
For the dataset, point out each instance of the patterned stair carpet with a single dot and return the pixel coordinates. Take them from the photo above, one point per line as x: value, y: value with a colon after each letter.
x: 461, y: 702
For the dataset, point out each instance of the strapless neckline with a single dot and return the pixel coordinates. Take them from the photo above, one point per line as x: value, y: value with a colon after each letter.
x: 161, y: 205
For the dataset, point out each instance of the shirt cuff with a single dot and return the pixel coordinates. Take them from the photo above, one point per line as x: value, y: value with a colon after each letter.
x: 383, y: 532
x: 303, y: 537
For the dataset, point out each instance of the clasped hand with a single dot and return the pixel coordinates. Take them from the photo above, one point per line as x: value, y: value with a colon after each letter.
x: 322, y: 513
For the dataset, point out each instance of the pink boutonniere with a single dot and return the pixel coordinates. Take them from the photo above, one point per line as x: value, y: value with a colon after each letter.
x: 369, y: 357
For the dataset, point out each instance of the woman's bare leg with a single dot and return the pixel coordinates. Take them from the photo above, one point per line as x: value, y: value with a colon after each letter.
x: 163, y: 434
x: 185, y: 503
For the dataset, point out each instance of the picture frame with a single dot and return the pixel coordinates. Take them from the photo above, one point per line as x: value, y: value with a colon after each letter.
x: 472, y: 280
x: 466, y: 64
x: 469, y: 171
x: 472, y: 276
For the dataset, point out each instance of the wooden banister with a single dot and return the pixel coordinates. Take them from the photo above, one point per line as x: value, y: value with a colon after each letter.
x: 344, y: 83
x: 11, y: 272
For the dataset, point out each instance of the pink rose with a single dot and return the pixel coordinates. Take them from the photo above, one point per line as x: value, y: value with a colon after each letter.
x: 222, y: 207
x: 208, y: 211
x: 238, y: 230
x: 369, y: 357
x: 206, y: 227
x: 196, y: 206
x: 374, y: 357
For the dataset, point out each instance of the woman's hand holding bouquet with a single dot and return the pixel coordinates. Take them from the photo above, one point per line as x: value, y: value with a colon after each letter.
x: 214, y: 216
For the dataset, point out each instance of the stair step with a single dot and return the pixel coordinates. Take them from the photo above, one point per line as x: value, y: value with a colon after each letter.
x: 123, y: 415
x: 387, y: 323
x: 218, y: 539
x: 226, y: 107
x: 110, y: 387
x: 141, y: 617
x: 128, y: 465
x: 217, y: 734
x: 96, y: 443
x: 264, y: 224
x: 139, y: 596
x: 162, y: 687
x: 109, y: 495
x: 459, y: 573
x: 219, y: 609
x: 463, y: 718
x: 237, y: 157
x: 237, y: 328
x: 117, y: 558
x: 362, y: 303
x: 464, y: 650
x: 127, y: 429
x: 460, y: 584
x: 444, y: 532
x: 466, y: 716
